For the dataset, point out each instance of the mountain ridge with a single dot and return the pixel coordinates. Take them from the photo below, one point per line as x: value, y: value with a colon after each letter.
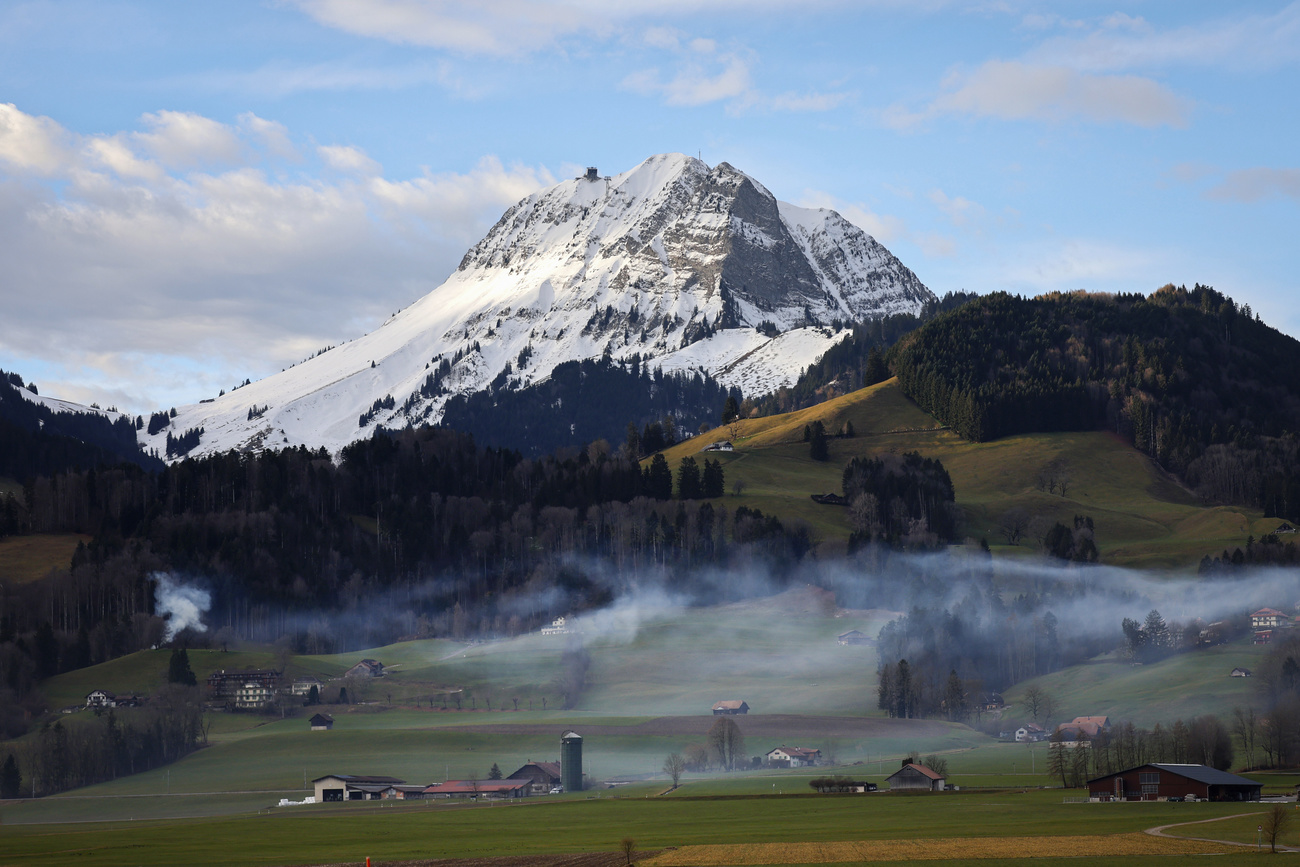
x: 689, y: 267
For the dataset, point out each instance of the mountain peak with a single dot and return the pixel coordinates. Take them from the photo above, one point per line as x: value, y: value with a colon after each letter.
x: 688, y: 266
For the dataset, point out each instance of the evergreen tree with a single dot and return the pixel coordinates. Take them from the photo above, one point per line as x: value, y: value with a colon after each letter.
x: 11, y: 780
x: 818, y: 449
x: 495, y: 772
x: 714, y: 480
x: 730, y: 409
x: 313, y: 695
x: 659, y: 479
x: 876, y: 371
x: 688, y: 480
x: 178, y: 668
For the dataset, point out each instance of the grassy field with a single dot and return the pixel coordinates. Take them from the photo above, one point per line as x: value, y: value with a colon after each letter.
x: 1142, y: 516
x: 1179, y: 687
x: 394, y: 831
x: 30, y: 558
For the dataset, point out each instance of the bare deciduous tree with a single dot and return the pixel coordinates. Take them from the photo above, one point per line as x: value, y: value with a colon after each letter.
x: 1275, y: 822
x: 628, y: 847
x: 674, y: 767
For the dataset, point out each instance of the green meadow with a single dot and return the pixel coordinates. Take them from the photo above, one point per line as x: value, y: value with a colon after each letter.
x: 1142, y: 516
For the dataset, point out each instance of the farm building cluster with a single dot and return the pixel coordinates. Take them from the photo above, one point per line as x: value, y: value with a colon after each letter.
x: 1266, y: 623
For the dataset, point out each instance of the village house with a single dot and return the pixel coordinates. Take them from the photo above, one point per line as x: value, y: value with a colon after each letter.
x: 1263, y: 636
x: 1030, y: 733
x: 559, y: 626
x: 720, y: 446
x: 1269, y: 618
x: 542, y: 776
x: 321, y: 722
x: 346, y: 787
x: 1158, y: 782
x: 101, y: 698
x: 223, y: 684
x: 730, y: 707
x: 853, y: 636
x: 302, y: 686
x: 253, y: 695
x: 365, y: 668
x: 793, y: 757
x: 915, y: 778
x: 1240, y: 672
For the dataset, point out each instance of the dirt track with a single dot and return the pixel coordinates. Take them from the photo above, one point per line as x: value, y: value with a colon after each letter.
x: 758, y: 725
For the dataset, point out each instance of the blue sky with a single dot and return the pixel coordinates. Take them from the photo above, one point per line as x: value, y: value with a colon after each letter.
x: 193, y: 194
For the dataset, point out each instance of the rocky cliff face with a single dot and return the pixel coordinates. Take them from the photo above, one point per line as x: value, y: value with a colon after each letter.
x: 688, y: 266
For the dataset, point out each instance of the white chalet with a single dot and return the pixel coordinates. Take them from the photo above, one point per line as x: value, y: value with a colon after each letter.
x: 559, y: 626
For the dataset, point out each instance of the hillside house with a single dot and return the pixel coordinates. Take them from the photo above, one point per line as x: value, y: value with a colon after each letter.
x: 253, y: 695
x: 1240, y: 672
x: 1156, y: 782
x: 720, y: 446
x: 1030, y: 733
x: 730, y: 707
x: 541, y: 776
x: 1284, y: 528
x: 559, y: 626
x: 1269, y: 618
x: 915, y: 778
x: 793, y: 757
x: 366, y: 668
x: 302, y: 686
x: 992, y: 701
x: 223, y: 684
x: 101, y: 698
x: 853, y: 636
x: 321, y: 722
x: 346, y: 787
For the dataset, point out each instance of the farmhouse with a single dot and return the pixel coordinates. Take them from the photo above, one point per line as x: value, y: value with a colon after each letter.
x: 730, y: 707
x: 793, y: 757
x: 101, y: 698
x: 1030, y: 733
x: 559, y: 626
x: 346, y: 787
x: 479, y: 789
x: 721, y: 446
x: 1284, y: 528
x: 914, y: 778
x: 365, y: 668
x: 1240, y: 672
x: 541, y: 776
x: 1068, y: 733
x: 853, y: 636
x: 1269, y: 618
x: 321, y: 722
x: 1156, y: 782
x: 302, y: 686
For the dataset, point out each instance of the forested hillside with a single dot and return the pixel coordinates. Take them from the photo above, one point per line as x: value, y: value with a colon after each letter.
x: 1187, y: 376
x: 584, y: 401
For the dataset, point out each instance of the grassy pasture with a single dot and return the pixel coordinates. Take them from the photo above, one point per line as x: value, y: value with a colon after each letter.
x: 394, y: 831
x: 1142, y: 516
x: 30, y: 558
x: 1178, y: 687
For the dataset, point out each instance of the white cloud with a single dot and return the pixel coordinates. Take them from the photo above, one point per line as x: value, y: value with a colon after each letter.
x: 175, y: 286
x: 1122, y: 42
x: 345, y: 158
x: 1012, y: 90
x: 273, y: 135
x: 182, y: 139
x: 695, y: 83
x: 1251, y: 185
x: 283, y: 79
x: 811, y: 101
x: 958, y: 209
x: 32, y: 144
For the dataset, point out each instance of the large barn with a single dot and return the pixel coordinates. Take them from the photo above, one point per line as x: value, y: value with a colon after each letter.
x: 1156, y: 782
x: 730, y: 707
x: 346, y: 787
x: 541, y: 776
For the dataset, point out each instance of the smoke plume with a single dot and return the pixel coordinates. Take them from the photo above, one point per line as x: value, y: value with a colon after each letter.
x: 181, y: 605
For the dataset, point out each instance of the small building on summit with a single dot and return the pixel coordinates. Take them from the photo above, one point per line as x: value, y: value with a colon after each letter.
x: 912, y: 777
x: 1158, y: 781
x: 730, y: 707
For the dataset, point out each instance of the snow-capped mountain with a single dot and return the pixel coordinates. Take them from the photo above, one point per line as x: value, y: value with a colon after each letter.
x: 690, y: 267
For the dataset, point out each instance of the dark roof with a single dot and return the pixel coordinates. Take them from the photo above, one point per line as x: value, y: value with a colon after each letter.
x: 922, y: 769
x: 323, y: 717
x: 1199, y: 773
x: 550, y: 769
x: 367, y: 780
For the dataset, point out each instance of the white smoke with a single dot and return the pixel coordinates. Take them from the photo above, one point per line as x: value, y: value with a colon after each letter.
x: 181, y: 605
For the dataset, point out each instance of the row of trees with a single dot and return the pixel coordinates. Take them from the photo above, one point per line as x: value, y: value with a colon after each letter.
x: 1202, y: 740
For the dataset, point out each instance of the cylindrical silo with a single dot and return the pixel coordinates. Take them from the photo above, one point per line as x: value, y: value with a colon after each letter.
x: 571, y: 761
